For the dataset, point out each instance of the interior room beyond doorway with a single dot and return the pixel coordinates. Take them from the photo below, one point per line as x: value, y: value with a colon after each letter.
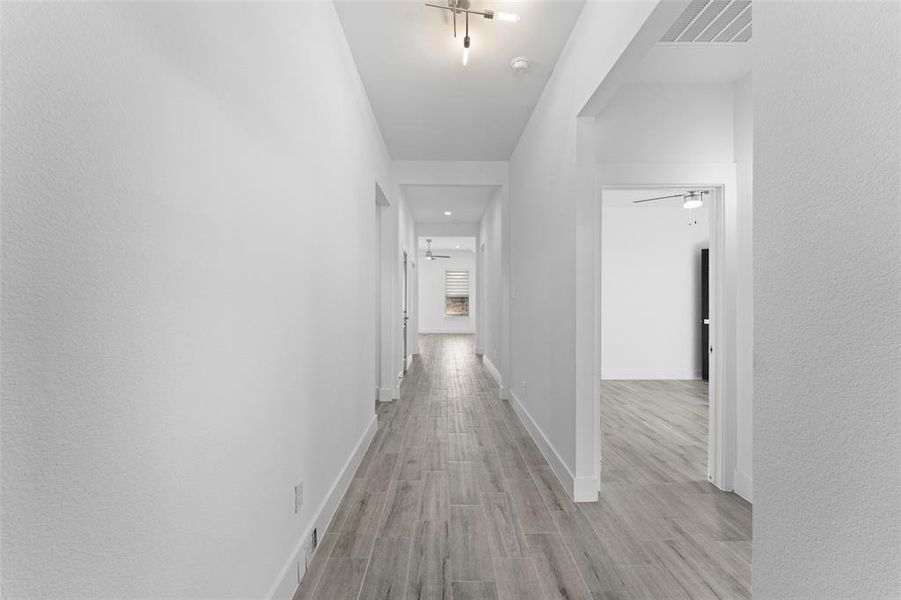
x: 447, y: 285
x: 654, y: 335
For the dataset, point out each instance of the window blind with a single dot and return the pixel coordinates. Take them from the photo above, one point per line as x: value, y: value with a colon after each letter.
x: 456, y: 284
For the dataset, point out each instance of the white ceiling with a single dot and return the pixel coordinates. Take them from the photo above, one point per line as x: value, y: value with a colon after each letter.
x: 449, y: 243
x: 429, y: 202
x: 428, y: 105
x: 693, y: 63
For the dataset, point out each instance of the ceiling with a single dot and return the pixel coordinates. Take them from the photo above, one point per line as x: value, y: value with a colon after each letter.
x: 428, y: 203
x: 428, y: 105
x: 449, y: 243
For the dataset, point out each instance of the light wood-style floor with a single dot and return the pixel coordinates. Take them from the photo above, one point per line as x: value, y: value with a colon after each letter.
x: 454, y: 501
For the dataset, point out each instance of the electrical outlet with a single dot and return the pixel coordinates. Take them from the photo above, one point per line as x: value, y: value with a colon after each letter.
x: 298, y: 497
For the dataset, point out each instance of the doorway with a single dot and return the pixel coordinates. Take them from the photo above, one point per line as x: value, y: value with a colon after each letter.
x: 720, y: 434
x: 377, y: 270
x: 406, y: 308
x: 655, y: 244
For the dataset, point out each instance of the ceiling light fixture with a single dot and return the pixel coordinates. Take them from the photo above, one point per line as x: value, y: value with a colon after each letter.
x: 466, y: 44
x: 693, y: 201
x: 503, y: 16
x: 462, y: 7
x: 448, y: 213
x: 520, y: 64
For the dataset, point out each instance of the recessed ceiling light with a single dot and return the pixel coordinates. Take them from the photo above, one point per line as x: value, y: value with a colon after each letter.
x: 457, y: 247
x: 447, y: 213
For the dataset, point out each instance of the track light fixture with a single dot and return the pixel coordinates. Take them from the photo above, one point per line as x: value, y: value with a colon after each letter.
x: 462, y: 7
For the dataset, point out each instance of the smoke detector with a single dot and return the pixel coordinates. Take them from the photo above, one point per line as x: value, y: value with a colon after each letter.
x: 520, y: 64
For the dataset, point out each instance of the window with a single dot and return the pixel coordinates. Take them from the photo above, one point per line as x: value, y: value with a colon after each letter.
x: 456, y: 293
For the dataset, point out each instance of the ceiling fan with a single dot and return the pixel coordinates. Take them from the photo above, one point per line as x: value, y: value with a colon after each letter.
x: 690, y: 199
x: 428, y: 253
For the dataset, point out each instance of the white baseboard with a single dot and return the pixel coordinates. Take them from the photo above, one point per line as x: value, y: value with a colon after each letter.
x: 581, y: 489
x: 287, y: 581
x: 649, y: 374
x: 493, y: 370
x: 451, y: 331
x: 409, y: 360
x: 386, y: 395
x: 743, y: 485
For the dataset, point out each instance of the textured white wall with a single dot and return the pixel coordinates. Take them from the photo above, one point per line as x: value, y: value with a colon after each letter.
x: 185, y: 335
x: 651, y: 277
x: 431, y: 293
x: 827, y: 284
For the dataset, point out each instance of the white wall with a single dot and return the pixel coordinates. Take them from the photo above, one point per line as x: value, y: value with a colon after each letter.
x: 544, y: 192
x: 651, y: 282
x: 173, y: 360
x: 744, y: 287
x: 431, y: 292
x: 827, y: 284
x: 647, y: 122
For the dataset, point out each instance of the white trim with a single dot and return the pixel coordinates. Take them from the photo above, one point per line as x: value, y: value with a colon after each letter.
x: 386, y: 395
x: 744, y: 485
x: 580, y: 489
x: 286, y: 582
x: 449, y: 331
x: 720, y: 176
x: 650, y: 374
x: 493, y: 370
x: 409, y: 361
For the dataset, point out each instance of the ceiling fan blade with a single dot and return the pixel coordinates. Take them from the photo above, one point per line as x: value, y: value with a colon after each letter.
x: 658, y: 198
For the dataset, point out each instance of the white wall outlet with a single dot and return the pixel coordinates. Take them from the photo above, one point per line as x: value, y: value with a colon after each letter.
x: 298, y: 497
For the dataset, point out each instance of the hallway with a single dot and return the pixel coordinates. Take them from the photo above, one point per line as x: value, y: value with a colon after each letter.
x: 455, y: 501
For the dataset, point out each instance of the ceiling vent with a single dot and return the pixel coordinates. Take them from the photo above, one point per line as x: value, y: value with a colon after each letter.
x: 712, y: 21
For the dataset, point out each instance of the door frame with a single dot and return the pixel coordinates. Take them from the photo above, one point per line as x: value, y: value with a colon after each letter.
x: 405, y: 274
x: 720, y: 177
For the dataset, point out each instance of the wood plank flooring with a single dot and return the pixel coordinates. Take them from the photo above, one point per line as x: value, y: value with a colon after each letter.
x: 454, y: 501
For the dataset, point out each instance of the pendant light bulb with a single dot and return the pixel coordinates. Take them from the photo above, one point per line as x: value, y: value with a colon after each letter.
x: 466, y: 43
x: 693, y: 201
x: 505, y: 16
